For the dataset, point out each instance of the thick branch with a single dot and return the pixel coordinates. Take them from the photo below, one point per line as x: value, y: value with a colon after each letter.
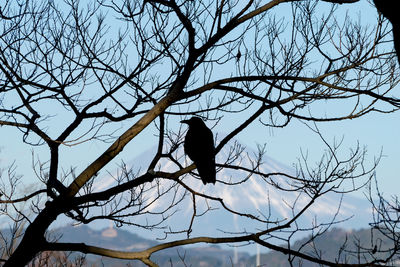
x: 120, y: 143
x: 341, y: 1
x: 146, y: 254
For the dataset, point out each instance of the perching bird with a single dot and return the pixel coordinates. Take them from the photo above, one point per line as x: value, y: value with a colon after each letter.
x: 389, y: 9
x: 199, y: 146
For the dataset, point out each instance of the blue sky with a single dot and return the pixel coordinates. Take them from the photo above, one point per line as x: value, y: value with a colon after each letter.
x: 378, y: 132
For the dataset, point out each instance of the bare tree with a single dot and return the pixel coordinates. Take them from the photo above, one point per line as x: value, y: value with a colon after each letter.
x: 73, y: 72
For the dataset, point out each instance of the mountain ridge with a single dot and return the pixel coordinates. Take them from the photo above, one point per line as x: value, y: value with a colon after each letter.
x: 330, y: 245
x: 256, y: 195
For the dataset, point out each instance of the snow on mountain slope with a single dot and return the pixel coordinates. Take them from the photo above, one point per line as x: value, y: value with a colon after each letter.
x: 255, y: 196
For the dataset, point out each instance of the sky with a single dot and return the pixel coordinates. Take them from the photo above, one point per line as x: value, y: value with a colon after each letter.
x: 378, y: 132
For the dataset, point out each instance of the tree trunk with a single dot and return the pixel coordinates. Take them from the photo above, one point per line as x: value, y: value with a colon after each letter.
x: 34, y: 239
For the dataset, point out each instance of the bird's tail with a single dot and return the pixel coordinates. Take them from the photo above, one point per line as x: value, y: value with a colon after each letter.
x: 206, y: 171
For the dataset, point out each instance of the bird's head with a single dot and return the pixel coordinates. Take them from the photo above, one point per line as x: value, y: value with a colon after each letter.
x: 194, y: 121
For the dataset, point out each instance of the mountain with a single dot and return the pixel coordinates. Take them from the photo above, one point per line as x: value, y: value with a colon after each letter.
x: 350, y: 246
x: 335, y: 244
x: 330, y: 245
x: 256, y: 196
x: 118, y: 239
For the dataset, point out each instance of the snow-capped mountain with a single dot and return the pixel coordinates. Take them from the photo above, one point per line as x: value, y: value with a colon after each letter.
x: 255, y: 196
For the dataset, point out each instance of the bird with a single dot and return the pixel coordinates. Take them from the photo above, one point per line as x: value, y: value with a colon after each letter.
x: 389, y: 9
x: 199, y: 146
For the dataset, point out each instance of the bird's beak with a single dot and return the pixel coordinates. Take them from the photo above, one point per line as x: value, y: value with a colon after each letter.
x: 185, y: 121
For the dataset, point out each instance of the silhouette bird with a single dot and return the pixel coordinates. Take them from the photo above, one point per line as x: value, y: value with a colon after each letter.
x: 199, y: 146
x: 389, y: 9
